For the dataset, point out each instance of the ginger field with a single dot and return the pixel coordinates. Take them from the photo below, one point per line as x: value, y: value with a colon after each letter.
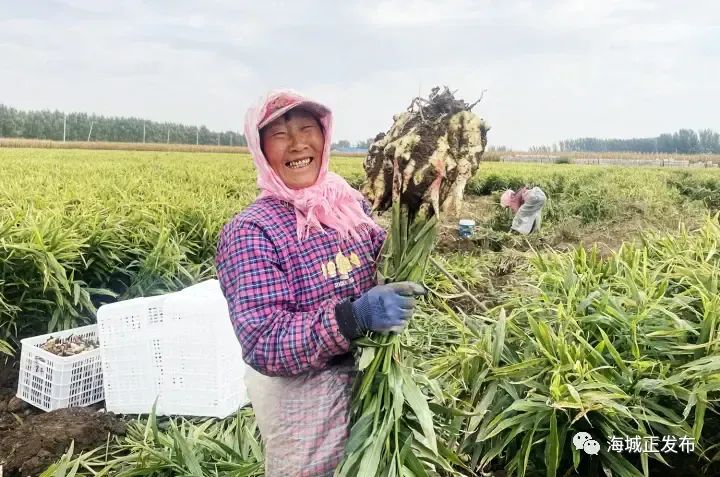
x: 605, y: 322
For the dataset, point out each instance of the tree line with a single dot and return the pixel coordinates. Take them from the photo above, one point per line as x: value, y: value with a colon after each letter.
x: 684, y: 141
x: 45, y: 124
x: 345, y: 144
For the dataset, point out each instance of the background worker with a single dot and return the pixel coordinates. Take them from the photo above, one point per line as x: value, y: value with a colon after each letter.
x: 526, y: 204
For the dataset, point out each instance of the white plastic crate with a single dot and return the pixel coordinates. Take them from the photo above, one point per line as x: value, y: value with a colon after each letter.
x: 50, y: 382
x: 179, y: 348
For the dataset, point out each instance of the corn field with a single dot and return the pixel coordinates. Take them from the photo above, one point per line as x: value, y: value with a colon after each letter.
x: 611, y: 344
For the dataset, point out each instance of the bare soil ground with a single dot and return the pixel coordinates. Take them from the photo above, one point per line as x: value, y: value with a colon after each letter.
x: 31, y: 439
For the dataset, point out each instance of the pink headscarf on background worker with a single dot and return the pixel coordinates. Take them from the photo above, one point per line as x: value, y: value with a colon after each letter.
x: 331, y: 201
x: 513, y: 199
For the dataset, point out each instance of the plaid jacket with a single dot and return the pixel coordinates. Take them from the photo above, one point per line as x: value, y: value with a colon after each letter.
x: 282, y: 293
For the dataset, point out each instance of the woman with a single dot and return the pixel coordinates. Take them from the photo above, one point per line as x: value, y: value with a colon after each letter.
x: 297, y: 268
x: 527, y: 206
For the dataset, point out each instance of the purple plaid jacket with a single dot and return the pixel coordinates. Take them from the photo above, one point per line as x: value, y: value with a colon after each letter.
x: 282, y: 293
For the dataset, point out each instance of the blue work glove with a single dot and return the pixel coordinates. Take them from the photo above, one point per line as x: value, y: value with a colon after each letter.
x: 388, y: 307
x: 383, y: 308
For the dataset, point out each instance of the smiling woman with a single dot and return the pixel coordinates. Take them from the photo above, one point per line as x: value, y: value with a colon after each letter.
x: 298, y: 271
x: 293, y: 144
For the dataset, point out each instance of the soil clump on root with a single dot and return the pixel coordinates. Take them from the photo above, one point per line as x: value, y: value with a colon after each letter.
x: 437, y: 145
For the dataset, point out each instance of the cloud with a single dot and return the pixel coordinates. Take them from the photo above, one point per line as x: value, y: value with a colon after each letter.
x: 553, y: 69
x: 392, y: 13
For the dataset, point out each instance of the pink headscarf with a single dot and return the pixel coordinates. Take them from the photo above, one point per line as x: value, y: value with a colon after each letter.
x: 506, y: 198
x: 513, y: 199
x: 330, y: 201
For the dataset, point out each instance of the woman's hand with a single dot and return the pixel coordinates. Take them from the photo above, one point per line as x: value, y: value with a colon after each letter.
x: 388, y: 307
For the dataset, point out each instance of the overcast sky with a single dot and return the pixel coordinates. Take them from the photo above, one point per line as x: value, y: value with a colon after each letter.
x: 552, y: 69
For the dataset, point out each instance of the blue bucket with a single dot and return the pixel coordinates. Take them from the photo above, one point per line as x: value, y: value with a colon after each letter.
x: 466, y: 228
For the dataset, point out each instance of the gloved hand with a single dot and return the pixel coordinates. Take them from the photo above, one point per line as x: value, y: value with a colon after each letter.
x: 387, y: 307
